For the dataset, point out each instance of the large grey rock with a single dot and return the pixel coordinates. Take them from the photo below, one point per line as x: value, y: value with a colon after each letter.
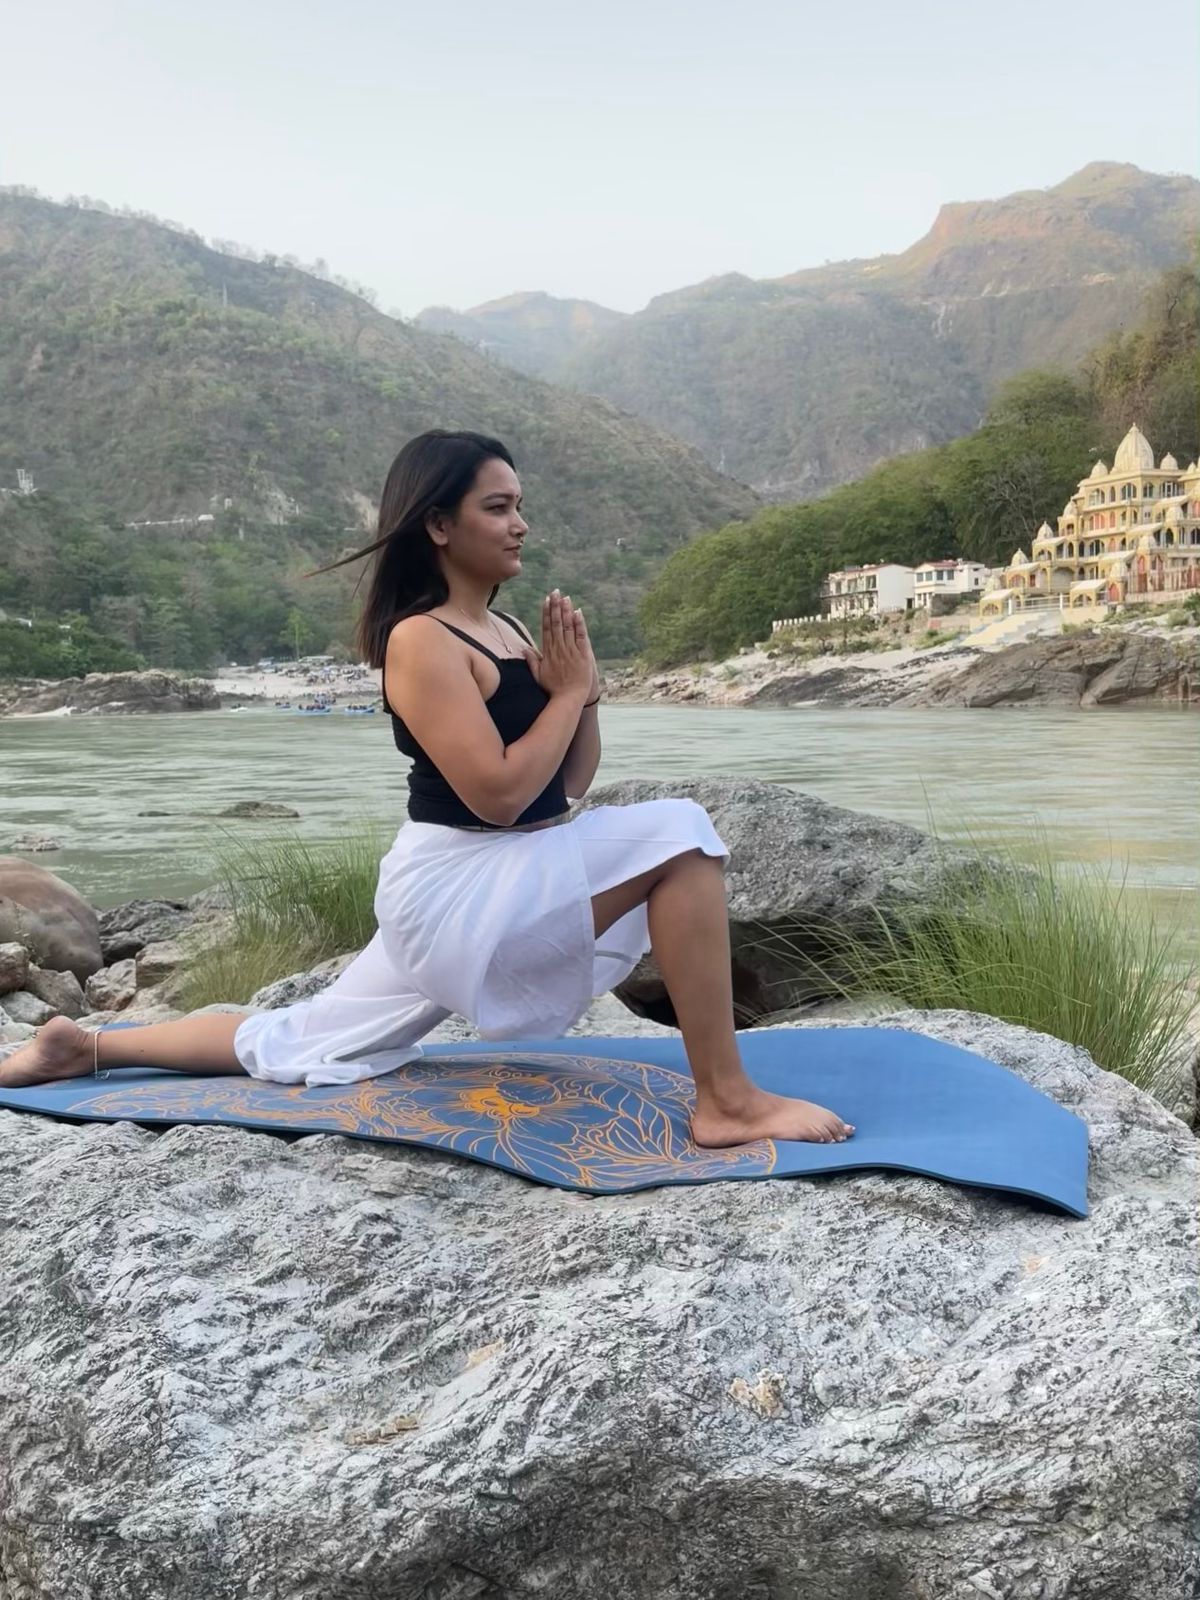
x: 128, y: 928
x: 24, y: 1006
x: 300, y: 985
x: 1100, y: 667
x: 61, y: 990
x: 14, y: 967
x: 798, y: 868
x: 211, y: 902
x: 237, y: 1365
x: 54, y: 922
x: 112, y: 693
x: 158, y: 961
x: 113, y: 987
x: 13, y: 1034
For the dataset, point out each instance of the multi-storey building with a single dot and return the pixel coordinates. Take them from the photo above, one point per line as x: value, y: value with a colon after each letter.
x: 868, y: 591
x: 1129, y: 532
x: 935, y: 581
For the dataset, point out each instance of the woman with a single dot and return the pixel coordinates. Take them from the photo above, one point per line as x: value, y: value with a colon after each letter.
x: 493, y: 902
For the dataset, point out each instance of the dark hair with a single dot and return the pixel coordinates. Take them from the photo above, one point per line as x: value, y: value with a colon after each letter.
x: 433, y: 472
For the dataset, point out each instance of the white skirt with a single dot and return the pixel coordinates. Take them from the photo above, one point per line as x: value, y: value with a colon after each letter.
x: 496, y: 927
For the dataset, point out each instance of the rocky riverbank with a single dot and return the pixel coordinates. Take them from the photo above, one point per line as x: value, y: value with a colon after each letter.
x: 107, y: 694
x: 1099, y: 667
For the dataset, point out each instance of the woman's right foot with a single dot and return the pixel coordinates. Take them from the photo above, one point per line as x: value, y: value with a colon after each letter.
x: 60, y: 1050
x: 766, y: 1116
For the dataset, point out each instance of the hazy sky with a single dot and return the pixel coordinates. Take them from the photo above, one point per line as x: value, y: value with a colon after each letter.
x: 451, y: 153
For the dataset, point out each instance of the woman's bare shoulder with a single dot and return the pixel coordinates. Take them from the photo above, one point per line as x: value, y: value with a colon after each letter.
x: 422, y: 629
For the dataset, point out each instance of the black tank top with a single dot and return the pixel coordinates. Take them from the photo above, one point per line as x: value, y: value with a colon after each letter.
x: 515, y: 706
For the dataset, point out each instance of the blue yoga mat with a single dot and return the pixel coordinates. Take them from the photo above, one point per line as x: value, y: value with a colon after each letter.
x: 606, y: 1116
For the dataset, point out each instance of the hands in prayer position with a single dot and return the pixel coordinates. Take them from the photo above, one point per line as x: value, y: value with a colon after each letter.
x: 566, y: 663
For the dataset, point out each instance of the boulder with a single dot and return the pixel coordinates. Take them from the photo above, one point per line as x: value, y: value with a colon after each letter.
x: 33, y: 843
x: 158, y: 961
x: 1100, y: 667
x: 24, y: 1006
x: 127, y: 928
x: 300, y: 985
x: 113, y: 987
x: 60, y: 990
x: 54, y: 923
x: 211, y: 902
x: 258, y: 808
x: 14, y: 967
x: 114, y: 693
x: 384, y: 1373
x: 798, y: 866
x: 13, y: 1034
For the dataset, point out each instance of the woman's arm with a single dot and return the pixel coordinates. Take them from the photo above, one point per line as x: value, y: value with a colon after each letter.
x: 583, y: 754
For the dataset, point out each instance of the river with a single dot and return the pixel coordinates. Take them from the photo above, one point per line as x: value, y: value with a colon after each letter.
x: 1107, y: 787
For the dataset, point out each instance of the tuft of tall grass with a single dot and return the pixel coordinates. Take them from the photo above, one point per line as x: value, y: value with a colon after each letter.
x: 1022, y: 938
x: 294, y: 902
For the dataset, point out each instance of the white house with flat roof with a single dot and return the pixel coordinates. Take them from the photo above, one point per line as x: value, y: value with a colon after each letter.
x: 868, y: 591
x: 935, y: 579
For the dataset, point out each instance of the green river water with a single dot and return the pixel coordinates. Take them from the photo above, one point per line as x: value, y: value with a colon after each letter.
x: 1118, y: 788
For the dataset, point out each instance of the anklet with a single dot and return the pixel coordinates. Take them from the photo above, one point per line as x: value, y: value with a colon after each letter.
x: 96, y: 1073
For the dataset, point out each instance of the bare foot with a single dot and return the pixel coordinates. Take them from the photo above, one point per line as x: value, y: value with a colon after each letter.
x: 767, y: 1116
x: 60, y: 1050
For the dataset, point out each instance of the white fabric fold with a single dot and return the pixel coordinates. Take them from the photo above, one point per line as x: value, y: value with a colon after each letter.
x: 496, y: 927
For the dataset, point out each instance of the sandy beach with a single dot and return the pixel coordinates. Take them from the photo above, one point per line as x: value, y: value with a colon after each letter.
x: 348, y: 684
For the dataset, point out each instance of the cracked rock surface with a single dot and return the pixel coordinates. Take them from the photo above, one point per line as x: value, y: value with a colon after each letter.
x: 235, y: 1365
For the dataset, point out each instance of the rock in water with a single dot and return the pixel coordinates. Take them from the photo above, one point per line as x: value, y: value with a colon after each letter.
x: 258, y: 808
x: 799, y: 869
x: 54, y: 923
x: 385, y: 1374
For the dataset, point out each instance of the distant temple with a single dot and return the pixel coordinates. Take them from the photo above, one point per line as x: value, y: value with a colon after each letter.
x: 1132, y: 533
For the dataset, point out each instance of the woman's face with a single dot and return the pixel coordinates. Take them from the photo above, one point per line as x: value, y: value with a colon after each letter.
x: 483, y: 538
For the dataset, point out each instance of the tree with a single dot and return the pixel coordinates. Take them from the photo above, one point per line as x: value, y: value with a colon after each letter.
x: 297, y: 631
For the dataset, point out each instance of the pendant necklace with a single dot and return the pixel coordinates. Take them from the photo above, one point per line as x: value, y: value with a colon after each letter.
x: 504, y: 650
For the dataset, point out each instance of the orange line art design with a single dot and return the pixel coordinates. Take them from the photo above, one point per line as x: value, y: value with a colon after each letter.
x: 580, y: 1122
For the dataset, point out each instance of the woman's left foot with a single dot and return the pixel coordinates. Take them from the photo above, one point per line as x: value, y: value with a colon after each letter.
x: 60, y: 1050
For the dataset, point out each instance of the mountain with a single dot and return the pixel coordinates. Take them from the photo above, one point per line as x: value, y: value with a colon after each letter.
x: 803, y: 382
x: 143, y: 372
x: 534, y: 331
x: 979, y: 497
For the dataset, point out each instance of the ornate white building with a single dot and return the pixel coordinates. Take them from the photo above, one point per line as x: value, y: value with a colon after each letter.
x: 1129, y: 532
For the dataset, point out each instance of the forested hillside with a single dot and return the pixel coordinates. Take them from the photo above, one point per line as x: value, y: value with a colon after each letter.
x: 144, y: 375
x: 979, y: 497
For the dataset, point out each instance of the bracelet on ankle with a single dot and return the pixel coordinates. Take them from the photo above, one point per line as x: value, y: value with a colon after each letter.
x: 594, y: 702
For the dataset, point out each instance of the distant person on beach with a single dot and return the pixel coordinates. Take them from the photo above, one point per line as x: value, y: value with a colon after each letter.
x: 495, y: 902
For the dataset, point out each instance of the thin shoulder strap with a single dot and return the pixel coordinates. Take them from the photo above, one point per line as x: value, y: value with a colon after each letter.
x: 513, y: 623
x: 467, y: 637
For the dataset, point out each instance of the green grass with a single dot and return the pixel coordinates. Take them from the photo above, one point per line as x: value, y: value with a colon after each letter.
x: 1019, y: 937
x: 1037, y: 944
x: 294, y: 903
